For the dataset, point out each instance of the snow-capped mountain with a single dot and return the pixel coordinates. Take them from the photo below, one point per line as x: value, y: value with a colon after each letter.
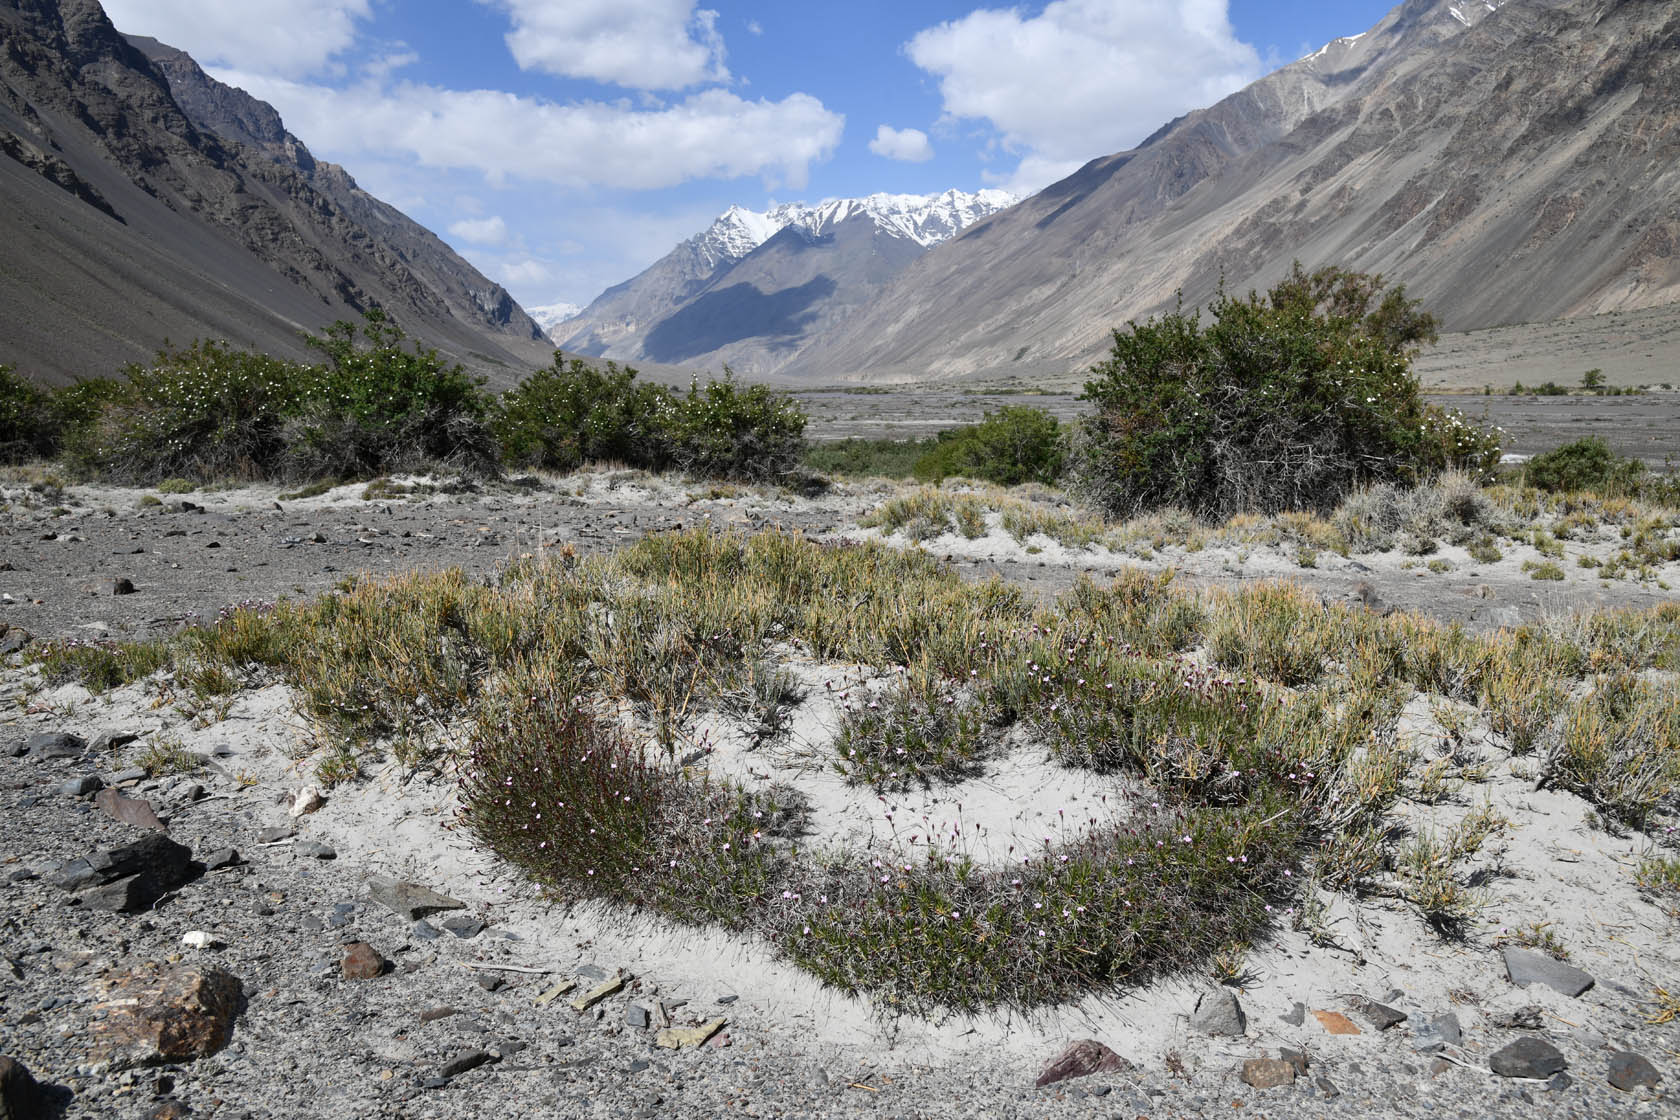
x: 753, y: 284
x: 551, y: 316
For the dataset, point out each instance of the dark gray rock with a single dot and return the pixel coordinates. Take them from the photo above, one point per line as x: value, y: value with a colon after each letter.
x: 1525, y: 967
x: 1558, y: 1082
x: 425, y: 931
x: 592, y: 971
x: 463, y: 926
x: 1528, y: 1057
x: 107, y: 741
x: 133, y: 876
x: 314, y: 849
x: 54, y: 744
x: 1629, y: 1071
x: 80, y: 787
x: 1327, y: 1087
x: 13, y: 640
x: 1296, y: 1015
x: 637, y: 1016
x: 1219, y: 1013
x: 220, y: 858
x: 464, y: 1061
x: 1436, y: 1033
x: 132, y: 774
x: 410, y: 900
x: 1379, y: 1015
x: 276, y: 834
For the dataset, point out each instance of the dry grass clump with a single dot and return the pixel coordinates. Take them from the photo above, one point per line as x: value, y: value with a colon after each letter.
x: 1620, y: 748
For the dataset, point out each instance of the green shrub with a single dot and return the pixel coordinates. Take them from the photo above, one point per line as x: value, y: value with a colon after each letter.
x: 868, y: 458
x: 574, y: 413
x: 1013, y: 445
x: 1586, y: 464
x: 26, y: 429
x: 723, y: 429
x: 1286, y: 401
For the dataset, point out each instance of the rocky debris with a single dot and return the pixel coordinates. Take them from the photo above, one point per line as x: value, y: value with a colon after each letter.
x: 54, y: 744
x: 1437, y: 1033
x: 306, y: 800
x: 1267, y: 1073
x: 1379, y: 1015
x: 20, y: 1097
x: 1629, y: 1071
x: 79, y: 787
x: 1528, y: 1057
x: 410, y: 900
x: 1525, y: 967
x: 1218, y: 1012
x: 1082, y: 1059
x: 129, y: 810
x: 131, y: 877
x: 612, y: 985
x: 166, y: 1018
x: 1526, y: 1018
x: 1334, y: 1022
x: 679, y: 1038
x: 361, y: 961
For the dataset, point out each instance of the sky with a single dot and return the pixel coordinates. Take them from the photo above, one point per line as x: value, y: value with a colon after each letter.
x: 562, y: 146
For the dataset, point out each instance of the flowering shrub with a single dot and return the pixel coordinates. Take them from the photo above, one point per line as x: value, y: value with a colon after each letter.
x: 1287, y: 401
x: 1013, y: 445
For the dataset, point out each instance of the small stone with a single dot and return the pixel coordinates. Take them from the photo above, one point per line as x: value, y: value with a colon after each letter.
x: 1528, y: 1057
x: 189, y: 792
x: 118, y: 585
x: 314, y: 849
x: 1437, y: 1033
x: 107, y: 741
x: 1296, y: 1015
x: 638, y: 1065
x: 464, y: 1061
x: 1082, y: 1059
x: 129, y: 810
x: 410, y: 900
x: 167, y: 1018
x: 361, y: 961
x: 1379, y: 1015
x: 197, y: 939
x: 435, y: 1083
x: 1218, y: 1013
x: 463, y: 926
x: 678, y: 1038
x: 79, y: 787
x: 725, y: 1001
x: 1334, y: 1022
x: 425, y: 931
x: 433, y: 1014
x: 169, y: 1110
x: 276, y: 834
x: 601, y: 991
x: 1528, y: 1018
x: 220, y: 858
x: 554, y: 993
x: 14, y: 640
x: 490, y: 982
x: 54, y: 744
x: 1296, y: 1058
x: 1628, y: 1071
x: 1558, y: 1082
x: 1439, y: 1066
x: 130, y: 775
x: 1327, y: 1087
x: 306, y: 800
x: 1268, y: 1073
x: 1525, y: 967
x: 507, y: 1048
x: 637, y: 1016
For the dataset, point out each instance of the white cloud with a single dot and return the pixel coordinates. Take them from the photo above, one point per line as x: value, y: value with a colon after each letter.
x: 754, y: 27
x: 641, y: 44
x: 710, y: 134
x: 480, y: 231
x: 907, y: 144
x: 1084, y: 77
x: 523, y: 272
x: 288, y: 37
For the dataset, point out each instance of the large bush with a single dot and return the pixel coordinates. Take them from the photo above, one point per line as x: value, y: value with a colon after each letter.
x: 573, y: 413
x: 1586, y: 464
x: 26, y: 431
x: 1013, y: 445
x: 1285, y: 401
x: 723, y: 429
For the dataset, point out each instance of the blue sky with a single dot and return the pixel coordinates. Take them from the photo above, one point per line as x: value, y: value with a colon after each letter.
x: 564, y: 145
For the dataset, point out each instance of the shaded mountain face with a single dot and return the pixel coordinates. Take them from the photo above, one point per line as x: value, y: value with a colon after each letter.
x: 1508, y: 163
x: 144, y: 202
x: 750, y: 290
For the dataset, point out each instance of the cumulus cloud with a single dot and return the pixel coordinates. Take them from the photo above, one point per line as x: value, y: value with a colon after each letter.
x: 286, y: 37
x: 710, y: 134
x: 640, y: 44
x: 907, y: 144
x: 1084, y: 77
x: 480, y: 231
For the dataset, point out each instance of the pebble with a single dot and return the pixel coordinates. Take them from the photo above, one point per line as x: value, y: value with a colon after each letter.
x: 1530, y: 1057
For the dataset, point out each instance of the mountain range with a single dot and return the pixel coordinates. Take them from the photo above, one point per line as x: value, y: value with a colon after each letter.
x: 1511, y: 162
x: 142, y: 201
x: 754, y: 286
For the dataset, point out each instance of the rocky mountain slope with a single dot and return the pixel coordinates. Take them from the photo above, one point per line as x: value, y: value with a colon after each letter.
x: 751, y: 288
x: 1509, y: 163
x: 143, y: 202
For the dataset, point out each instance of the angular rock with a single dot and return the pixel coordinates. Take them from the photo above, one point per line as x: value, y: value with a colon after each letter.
x: 306, y: 800
x: 314, y: 849
x: 197, y: 939
x: 1528, y: 1057
x: 1525, y: 967
x: 1296, y: 1015
x: 607, y: 987
x: 1334, y: 1022
x: 1437, y: 1033
x: 361, y: 961
x: 117, y: 585
x: 678, y: 1038
x: 554, y: 993
x: 1267, y: 1073
x: 1219, y: 1013
x: 133, y: 876
x: 1296, y: 1058
x: 166, y: 1018
x: 14, y: 640
x: 1629, y: 1071
x: 425, y: 931
x: 79, y: 787
x: 129, y: 810
x: 108, y: 741
x: 220, y: 858
x: 635, y: 1015
x: 54, y: 744
x: 463, y: 926
x: 1379, y: 1015
x: 1082, y: 1059
x: 132, y: 774
x: 20, y: 1096
x: 410, y: 900
x: 169, y: 1110
x: 464, y: 1061
x: 276, y: 834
